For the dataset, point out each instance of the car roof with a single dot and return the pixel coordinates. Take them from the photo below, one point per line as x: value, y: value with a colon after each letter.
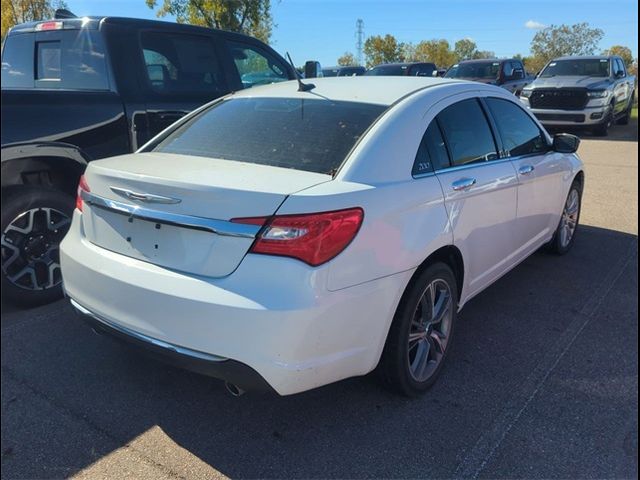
x: 364, y: 89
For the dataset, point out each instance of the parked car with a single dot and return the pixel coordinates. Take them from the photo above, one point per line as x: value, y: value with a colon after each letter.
x: 351, y: 71
x: 79, y: 89
x: 509, y: 74
x: 588, y: 91
x: 416, y: 69
x: 268, y: 240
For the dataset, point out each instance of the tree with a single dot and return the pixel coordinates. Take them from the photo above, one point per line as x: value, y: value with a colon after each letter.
x: 484, y: 54
x: 21, y: 11
x: 557, y: 41
x: 347, y: 60
x: 623, y: 52
x: 252, y: 17
x: 436, y: 51
x: 378, y: 49
x: 465, y: 49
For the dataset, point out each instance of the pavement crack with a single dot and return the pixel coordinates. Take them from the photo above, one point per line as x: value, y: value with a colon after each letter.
x: 489, y: 442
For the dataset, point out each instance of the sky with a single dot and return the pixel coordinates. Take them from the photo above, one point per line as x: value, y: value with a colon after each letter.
x: 325, y: 29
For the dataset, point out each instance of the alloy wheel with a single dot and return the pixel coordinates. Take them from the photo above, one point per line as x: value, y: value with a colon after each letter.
x: 569, y: 219
x: 30, y: 248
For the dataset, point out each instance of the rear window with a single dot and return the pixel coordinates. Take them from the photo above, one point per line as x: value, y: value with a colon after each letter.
x: 17, y: 61
x: 313, y: 135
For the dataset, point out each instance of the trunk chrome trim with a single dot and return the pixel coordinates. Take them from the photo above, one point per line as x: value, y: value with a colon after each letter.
x: 144, y: 197
x: 219, y: 227
x: 146, y: 339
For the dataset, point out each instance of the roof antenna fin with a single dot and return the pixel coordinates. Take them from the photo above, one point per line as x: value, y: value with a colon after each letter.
x: 302, y: 87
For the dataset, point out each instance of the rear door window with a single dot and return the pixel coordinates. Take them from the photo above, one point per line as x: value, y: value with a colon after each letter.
x: 256, y: 66
x: 467, y: 133
x: 432, y: 154
x: 182, y: 64
x: 314, y: 135
x: 518, y: 132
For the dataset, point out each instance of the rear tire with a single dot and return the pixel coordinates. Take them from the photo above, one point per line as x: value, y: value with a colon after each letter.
x: 33, y: 222
x: 421, y: 333
x: 565, y: 234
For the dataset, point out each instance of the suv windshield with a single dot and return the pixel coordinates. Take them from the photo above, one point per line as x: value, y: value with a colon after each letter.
x: 313, y: 135
x: 486, y: 70
x: 388, y: 70
x: 596, y: 67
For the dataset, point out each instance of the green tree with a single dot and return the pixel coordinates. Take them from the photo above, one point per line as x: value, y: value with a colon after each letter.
x: 252, y: 17
x: 15, y: 12
x: 378, y: 49
x: 556, y: 41
x: 436, y: 51
x: 347, y: 60
x: 465, y: 49
x: 623, y: 52
x: 484, y: 54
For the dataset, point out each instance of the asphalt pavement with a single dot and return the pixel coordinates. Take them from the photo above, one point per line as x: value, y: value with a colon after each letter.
x: 542, y: 383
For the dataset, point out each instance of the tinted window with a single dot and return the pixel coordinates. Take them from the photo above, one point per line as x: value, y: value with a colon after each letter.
x: 394, y: 70
x: 422, y: 70
x: 314, y: 135
x: 17, y: 61
x: 519, y: 134
x: 48, y: 61
x: 485, y: 70
x: 257, y: 67
x: 432, y: 153
x: 467, y: 133
x: 181, y: 64
x: 330, y: 72
x: 598, y: 67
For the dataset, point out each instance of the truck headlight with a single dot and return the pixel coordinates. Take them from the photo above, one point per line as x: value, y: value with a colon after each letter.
x: 526, y: 93
x: 598, y: 94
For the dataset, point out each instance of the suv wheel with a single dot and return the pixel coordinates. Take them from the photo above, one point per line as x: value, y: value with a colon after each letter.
x: 34, y: 221
x: 421, y: 332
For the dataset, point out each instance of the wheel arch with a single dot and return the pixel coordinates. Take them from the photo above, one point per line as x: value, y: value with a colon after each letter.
x: 449, y: 255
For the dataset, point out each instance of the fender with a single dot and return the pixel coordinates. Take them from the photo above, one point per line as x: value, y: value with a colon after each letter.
x: 18, y: 158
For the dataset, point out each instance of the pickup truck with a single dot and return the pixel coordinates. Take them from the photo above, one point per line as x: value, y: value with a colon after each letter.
x: 586, y: 91
x: 79, y: 89
x: 509, y: 74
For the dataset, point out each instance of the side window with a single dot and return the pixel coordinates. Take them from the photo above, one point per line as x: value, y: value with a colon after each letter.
x: 467, y: 133
x: 619, y: 66
x: 176, y: 63
x: 255, y: 66
x: 432, y: 152
x: 519, y: 133
x: 17, y: 61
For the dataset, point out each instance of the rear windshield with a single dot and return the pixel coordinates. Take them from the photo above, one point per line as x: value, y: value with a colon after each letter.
x: 485, y: 70
x: 580, y: 67
x: 305, y: 134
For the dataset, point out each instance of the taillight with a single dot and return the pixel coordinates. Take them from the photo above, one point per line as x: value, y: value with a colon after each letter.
x: 82, y: 186
x: 314, y: 238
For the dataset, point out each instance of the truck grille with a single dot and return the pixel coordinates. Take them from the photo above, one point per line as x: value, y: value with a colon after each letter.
x: 560, y: 98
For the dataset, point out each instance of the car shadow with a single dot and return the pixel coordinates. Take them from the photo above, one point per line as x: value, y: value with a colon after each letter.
x: 349, y: 429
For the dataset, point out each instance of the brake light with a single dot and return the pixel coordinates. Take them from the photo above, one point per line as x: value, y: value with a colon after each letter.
x: 49, y: 26
x: 314, y: 238
x: 82, y: 186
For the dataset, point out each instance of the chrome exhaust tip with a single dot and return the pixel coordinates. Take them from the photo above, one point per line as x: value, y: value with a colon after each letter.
x: 233, y: 389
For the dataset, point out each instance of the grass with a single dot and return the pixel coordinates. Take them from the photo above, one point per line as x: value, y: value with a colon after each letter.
x: 634, y: 113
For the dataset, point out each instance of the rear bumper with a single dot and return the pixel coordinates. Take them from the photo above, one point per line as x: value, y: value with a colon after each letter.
x: 273, y: 315
x: 218, y: 367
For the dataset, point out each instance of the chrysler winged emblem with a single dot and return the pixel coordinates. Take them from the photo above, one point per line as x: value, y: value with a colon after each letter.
x: 144, y: 197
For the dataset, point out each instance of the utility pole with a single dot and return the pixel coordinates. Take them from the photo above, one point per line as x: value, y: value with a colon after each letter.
x: 359, y: 40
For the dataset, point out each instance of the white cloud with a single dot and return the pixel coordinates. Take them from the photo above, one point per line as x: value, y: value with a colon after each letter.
x: 533, y: 25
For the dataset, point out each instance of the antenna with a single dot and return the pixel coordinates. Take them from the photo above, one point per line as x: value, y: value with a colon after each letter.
x: 302, y: 87
x: 359, y: 40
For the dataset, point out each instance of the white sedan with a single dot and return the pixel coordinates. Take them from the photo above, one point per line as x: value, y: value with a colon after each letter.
x: 284, y: 239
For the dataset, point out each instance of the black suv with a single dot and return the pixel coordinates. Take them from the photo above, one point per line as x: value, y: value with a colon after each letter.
x: 80, y: 89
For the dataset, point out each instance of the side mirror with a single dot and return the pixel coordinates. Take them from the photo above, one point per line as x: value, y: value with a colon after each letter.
x: 312, y: 69
x: 565, y: 143
x: 619, y: 74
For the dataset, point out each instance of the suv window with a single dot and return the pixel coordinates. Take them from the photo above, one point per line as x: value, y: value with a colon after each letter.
x: 255, y: 66
x: 519, y: 133
x: 619, y: 65
x: 17, y: 61
x: 48, y: 61
x: 178, y: 63
x: 421, y: 70
x: 303, y: 134
x: 432, y: 153
x: 467, y: 133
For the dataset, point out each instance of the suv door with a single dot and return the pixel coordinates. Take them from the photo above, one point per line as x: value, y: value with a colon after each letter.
x: 182, y: 71
x: 621, y: 88
x: 480, y: 192
x: 538, y: 169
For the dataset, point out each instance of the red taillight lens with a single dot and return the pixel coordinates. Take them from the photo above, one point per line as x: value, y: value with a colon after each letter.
x: 314, y: 238
x: 82, y: 186
x: 49, y: 26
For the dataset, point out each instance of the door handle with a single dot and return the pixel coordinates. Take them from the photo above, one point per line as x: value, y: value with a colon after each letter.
x: 463, y: 184
x: 526, y: 169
